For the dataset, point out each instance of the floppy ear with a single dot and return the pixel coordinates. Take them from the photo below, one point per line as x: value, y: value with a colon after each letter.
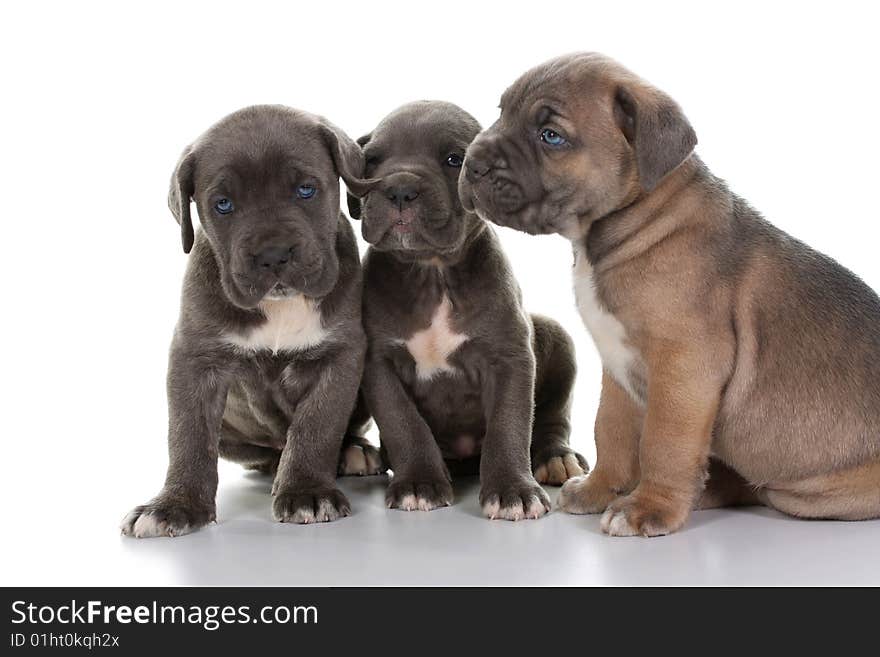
x: 657, y: 130
x: 180, y: 195
x: 354, y: 203
x: 347, y: 157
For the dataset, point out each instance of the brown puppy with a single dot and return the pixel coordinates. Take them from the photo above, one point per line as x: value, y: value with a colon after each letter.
x: 731, y: 351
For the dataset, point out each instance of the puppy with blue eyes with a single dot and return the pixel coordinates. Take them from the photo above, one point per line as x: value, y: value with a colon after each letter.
x: 458, y: 377
x: 268, y: 352
x: 739, y: 365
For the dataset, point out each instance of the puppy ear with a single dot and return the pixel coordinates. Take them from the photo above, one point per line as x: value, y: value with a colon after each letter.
x: 354, y: 203
x: 347, y: 157
x: 180, y: 195
x: 657, y: 130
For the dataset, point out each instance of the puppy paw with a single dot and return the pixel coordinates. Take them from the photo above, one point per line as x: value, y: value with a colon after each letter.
x: 514, y: 500
x: 640, y: 515
x: 305, y: 506
x: 418, y: 494
x: 586, y: 494
x: 360, y: 459
x: 555, y: 470
x: 163, y: 517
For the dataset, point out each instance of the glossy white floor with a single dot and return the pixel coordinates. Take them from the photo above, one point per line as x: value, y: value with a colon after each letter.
x: 93, y: 267
x: 453, y: 546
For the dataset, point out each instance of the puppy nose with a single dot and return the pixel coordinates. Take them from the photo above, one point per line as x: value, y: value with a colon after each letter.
x: 274, y: 256
x: 402, y: 194
x: 475, y: 168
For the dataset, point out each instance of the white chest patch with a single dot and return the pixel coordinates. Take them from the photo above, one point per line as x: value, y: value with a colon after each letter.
x: 431, y: 347
x: 292, y: 324
x: 608, y: 333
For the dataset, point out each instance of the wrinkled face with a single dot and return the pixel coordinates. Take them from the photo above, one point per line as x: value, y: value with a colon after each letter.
x: 413, y: 159
x: 564, y: 151
x: 266, y: 187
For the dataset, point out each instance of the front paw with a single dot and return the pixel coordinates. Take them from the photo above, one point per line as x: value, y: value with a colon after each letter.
x: 641, y: 514
x: 360, y: 458
x: 166, y: 517
x: 517, y: 498
x: 555, y: 469
x: 422, y: 493
x: 305, y: 506
x: 586, y: 494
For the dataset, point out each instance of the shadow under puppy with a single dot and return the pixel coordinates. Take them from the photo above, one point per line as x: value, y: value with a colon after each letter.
x: 268, y: 351
x: 720, y: 335
x: 457, y: 374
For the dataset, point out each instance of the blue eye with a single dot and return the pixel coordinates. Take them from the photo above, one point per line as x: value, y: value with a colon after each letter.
x: 223, y: 206
x: 306, y: 191
x: 552, y: 138
x: 454, y: 161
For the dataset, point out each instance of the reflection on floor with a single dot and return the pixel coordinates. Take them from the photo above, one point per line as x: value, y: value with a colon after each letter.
x: 457, y: 546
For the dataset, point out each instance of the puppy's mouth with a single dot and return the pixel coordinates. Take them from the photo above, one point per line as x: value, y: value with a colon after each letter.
x: 410, y: 232
x: 401, y: 225
x: 503, y: 202
x: 279, y: 291
x: 402, y: 221
x: 255, y: 288
x: 503, y: 194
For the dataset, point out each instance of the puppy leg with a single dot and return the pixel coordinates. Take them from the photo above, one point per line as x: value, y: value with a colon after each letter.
x: 553, y: 461
x: 508, y: 490
x: 683, y: 398
x: 323, y: 394
x: 851, y: 494
x: 196, y: 399
x: 359, y: 457
x: 237, y: 447
x: 420, y: 480
x: 725, y: 487
x: 618, y: 429
x: 359, y: 422
x: 251, y: 457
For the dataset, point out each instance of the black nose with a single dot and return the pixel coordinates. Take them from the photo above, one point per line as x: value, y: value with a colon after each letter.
x: 475, y: 168
x: 274, y: 256
x: 400, y: 195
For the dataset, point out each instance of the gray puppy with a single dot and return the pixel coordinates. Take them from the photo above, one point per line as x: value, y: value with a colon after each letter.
x: 268, y: 351
x: 458, y: 376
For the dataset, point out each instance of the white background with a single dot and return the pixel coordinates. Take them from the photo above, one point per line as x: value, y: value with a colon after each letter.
x: 98, y: 101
